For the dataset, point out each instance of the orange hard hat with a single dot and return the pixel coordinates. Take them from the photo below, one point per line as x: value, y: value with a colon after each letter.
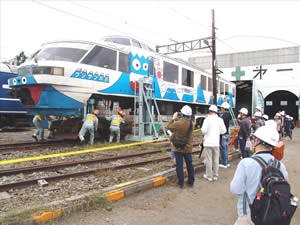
x: 96, y: 111
x: 121, y: 113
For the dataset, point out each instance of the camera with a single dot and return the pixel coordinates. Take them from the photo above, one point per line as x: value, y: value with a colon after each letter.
x: 179, y: 115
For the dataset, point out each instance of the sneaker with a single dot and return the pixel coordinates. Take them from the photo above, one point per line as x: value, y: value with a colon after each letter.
x: 34, y: 137
x: 215, y: 178
x: 228, y: 165
x: 207, y: 178
x: 222, y: 166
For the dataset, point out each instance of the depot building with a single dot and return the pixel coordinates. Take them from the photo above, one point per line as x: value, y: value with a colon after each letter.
x: 268, y: 78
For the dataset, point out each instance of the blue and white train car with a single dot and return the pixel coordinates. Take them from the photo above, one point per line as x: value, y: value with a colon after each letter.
x: 11, y: 108
x: 63, y: 76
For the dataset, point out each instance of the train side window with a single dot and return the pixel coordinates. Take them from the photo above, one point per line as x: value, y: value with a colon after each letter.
x: 151, y: 67
x: 102, y: 57
x: 123, y: 62
x: 187, y: 77
x: 209, y: 85
x: 226, y: 89
x: 203, y: 82
x: 222, y: 88
x: 170, y: 72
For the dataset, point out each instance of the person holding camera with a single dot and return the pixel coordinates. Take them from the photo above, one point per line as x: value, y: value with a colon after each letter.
x: 182, y: 140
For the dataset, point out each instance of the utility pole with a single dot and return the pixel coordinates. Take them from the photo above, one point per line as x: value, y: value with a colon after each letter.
x: 213, y: 53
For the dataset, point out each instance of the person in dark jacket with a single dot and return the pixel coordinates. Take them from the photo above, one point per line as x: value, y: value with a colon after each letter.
x: 244, y: 132
x: 224, y: 139
x: 182, y: 128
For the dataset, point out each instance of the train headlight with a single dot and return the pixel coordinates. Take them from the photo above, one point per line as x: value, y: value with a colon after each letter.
x: 59, y: 71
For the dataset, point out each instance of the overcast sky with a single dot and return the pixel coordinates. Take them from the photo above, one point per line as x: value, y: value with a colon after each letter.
x: 241, y: 25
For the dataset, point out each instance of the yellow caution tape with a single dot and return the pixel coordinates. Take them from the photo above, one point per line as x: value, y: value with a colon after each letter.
x: 26, y: 159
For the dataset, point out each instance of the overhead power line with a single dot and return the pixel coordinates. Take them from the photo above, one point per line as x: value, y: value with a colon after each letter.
x: 79, y: 17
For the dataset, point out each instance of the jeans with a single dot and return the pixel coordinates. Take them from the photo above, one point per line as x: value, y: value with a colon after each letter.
x: 179, y: 167
x: 245, y: 153
x: 224, y: 149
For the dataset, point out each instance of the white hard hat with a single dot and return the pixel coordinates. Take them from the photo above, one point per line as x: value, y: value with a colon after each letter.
x: 271, y: 123
x: 186, y: 110
x: 244, y: 111
x: 258, y: 114
x: 267, y: 134
x: 278, y: 114
x: 265, y: 116
x: 282, y: 113
x: 225, y: 105
x: 213, y: 108
x: 258, y: 107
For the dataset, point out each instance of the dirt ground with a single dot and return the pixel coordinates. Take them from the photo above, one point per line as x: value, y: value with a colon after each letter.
x: 204, y: 204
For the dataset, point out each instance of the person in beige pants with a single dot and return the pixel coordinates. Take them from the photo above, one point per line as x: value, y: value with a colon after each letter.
x: 213, y: 126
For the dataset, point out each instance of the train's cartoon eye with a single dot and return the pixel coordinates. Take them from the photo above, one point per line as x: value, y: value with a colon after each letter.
x: 24, y: 80
x: 145, y: 66
x: 136, y: 64
x: 14, y: 81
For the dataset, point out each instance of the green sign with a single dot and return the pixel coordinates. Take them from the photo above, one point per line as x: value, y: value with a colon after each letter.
x: 238, y: 73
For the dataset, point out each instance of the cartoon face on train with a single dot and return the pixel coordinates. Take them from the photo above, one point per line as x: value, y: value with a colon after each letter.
x: 139, y: 65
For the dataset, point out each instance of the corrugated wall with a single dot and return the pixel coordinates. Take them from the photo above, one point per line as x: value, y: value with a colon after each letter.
x: 261, y: 57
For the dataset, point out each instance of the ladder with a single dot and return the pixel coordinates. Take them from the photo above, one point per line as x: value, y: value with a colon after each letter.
x: 233, y: 117
x: 145, y: 116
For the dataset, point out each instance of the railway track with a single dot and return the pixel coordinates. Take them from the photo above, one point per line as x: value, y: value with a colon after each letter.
x: 110, y: 167
x: 27, y: 146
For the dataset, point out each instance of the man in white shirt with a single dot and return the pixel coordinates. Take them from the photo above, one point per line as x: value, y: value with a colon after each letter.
x: 213, y: 126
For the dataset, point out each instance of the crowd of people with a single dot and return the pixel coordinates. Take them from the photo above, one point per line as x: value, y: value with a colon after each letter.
x: 262, y: 133
x: 257, y: 136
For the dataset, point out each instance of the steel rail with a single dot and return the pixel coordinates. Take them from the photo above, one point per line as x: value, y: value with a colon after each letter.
x: 19, y: 184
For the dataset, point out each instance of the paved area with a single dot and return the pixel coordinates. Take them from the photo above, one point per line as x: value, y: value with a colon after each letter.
x: 204, y: 204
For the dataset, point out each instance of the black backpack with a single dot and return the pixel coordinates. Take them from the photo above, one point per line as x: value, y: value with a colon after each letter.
x: 273, y: 203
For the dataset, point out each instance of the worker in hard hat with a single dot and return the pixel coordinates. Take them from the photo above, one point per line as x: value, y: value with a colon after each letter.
x: 248, y: 173
x: 115, y: 122
x: 213, y: 126
x: 182, y: 139
x: 258, y: 120
x: 90, y: 124
x: 224, y: 139
x: 38, y: 134
x: 244, y: 131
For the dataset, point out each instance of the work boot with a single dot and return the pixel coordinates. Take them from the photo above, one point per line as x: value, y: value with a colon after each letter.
x: 34, y: 137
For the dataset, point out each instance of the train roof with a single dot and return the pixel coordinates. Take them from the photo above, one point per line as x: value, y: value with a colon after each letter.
x: 127, y: 43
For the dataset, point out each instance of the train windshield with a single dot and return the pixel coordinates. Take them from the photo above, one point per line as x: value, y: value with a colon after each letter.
x: 63, y: 51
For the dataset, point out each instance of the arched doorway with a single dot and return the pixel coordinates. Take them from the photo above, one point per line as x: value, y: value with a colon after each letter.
x: 281, y: 100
